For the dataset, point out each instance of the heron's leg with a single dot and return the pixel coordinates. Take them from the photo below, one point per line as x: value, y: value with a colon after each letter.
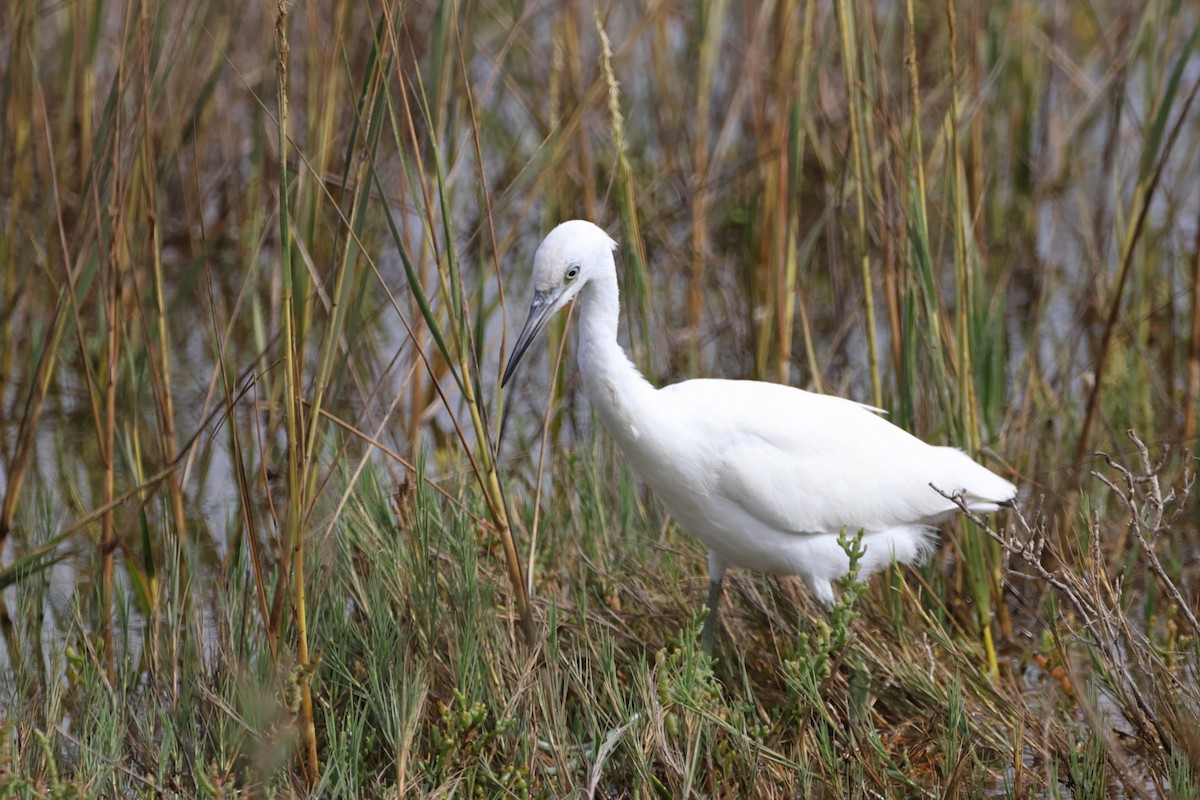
x: 716, y: 574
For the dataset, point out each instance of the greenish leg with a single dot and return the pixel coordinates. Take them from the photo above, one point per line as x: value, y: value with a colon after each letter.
x: 716, y: 575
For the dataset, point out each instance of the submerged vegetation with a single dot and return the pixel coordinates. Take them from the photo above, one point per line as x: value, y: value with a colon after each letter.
x: 271, y: 528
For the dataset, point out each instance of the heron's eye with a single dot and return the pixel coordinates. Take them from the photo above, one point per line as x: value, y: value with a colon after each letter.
x: 573, y: 272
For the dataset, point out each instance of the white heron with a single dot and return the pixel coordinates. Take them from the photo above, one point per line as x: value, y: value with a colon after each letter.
x: 765, y: 475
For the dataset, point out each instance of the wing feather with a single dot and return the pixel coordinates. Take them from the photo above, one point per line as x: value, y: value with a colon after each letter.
x: 806, y: 463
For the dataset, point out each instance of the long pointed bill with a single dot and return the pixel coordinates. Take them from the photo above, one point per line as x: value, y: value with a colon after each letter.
x: 540, y: 311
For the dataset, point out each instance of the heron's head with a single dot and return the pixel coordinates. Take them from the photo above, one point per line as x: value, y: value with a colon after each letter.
x: 571, y: 255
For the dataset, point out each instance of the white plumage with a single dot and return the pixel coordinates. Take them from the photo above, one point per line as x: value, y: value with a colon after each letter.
x: 765, y: 475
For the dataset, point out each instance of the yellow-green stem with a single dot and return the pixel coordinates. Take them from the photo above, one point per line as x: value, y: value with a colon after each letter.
x: 297, y: 449
x: 853, y: 102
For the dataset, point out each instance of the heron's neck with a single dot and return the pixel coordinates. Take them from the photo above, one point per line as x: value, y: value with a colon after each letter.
x: 617, y: 390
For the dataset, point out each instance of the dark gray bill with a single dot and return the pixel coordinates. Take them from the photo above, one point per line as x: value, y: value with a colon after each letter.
x: 540, y: 311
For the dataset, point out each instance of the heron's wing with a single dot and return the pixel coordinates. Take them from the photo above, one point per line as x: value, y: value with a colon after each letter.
x: 804, y: 463
x: 814, y: 491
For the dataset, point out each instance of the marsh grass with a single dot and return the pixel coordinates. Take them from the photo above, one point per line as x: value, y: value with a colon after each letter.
x: 270, y: 527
